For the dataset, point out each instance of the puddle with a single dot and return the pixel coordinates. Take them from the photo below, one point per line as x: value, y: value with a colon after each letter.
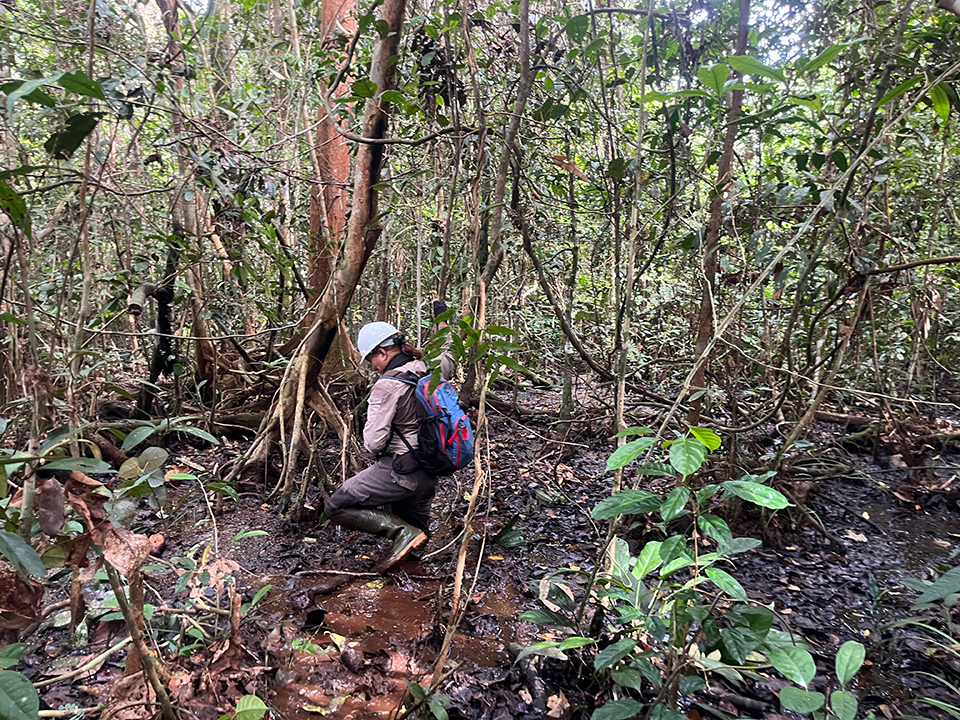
x: 375, y: 637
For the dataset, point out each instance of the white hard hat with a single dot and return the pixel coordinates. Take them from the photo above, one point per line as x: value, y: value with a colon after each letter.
x: 373, y: 335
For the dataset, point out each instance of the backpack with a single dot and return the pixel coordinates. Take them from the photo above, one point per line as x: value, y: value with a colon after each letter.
x: 444, y: 435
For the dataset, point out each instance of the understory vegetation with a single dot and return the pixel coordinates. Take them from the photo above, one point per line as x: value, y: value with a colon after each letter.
x: 702, y: 264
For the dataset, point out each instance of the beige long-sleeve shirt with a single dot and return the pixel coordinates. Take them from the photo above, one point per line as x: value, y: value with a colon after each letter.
x: 392, y: 404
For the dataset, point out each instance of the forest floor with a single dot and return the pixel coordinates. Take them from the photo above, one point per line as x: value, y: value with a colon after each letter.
x: 351, y: 653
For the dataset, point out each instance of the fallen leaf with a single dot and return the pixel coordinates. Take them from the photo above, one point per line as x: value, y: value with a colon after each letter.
x: 557, y: 705
x: 526, y: 697
x: 858, y: 537
x: 885, y: 709
x: 125, y: 550
x: 729, y: 708
x: 941, y: 543
x: 495, y: 558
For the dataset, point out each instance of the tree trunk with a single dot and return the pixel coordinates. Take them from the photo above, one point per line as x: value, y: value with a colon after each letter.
x: 712, y: 246
x: 363, y: 231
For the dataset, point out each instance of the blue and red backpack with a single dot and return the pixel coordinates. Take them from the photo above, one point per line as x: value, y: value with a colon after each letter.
x: 444, y: 435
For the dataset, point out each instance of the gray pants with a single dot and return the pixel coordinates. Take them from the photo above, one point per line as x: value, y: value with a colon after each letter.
x: 408, y: 495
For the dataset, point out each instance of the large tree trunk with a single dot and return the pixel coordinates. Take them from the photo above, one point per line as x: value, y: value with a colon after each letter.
x: 712, y: 247
x: 300, y: 384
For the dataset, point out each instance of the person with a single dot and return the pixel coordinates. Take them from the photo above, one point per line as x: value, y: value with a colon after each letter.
x: 390, y: 434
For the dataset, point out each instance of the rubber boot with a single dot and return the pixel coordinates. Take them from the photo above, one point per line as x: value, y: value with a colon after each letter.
x: 376, y: 522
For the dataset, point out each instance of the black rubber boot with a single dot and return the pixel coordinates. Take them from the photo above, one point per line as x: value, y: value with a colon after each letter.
x: 406, y: 538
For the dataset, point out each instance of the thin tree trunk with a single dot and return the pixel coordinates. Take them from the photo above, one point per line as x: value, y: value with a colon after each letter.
x: 705, y: 323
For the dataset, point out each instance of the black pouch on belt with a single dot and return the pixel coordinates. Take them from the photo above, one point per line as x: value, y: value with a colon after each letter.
x: 405, y: 464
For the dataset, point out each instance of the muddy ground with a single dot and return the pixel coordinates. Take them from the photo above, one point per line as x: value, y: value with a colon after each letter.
x: 351, y: 653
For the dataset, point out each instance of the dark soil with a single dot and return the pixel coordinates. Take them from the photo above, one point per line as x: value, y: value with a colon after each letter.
x: 351, y: 653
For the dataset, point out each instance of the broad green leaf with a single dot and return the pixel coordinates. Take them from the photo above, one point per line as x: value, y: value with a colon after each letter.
x: 21, y: 555
x: 738, y: 643
x: 941, y: 101
x: 202, y: 434
x: 364, y: 88
x: 26, y: 89
x: 746, y: 65
x: 737, y: 545
x: 577, y: 28
x: 13, y: 205
x: 438, y: 706
x: 801, y: 701
x: 715, y: 528
x: 691, y: 684
x: 901, y: 89
x: 843, y: 704
x: 648, y: 560
x: 250, y: 707
x: 809, y: 101
x: 794, y: 663
x: 758, y: 494
x: 63, y: 145
x: 137, y: 436
x: 544, y: 649
x: 822, y: 59
x: 78, y: 82
x: 705, y: 493
x: 729, y: 584
x: 628, y: 502
x: 618, y: 710
x: 708, y: 437
x: 677, y: 564
x: 672, y: 548
x: 628, y: 677
x: 614, y: 653
x: 626, y: 454
x: 543, y: 616
x: 675, y: 504
x: 655, y: 468
x: 635, y: 430
x: 946, y: 584
x: 18, y: 697
x: 849, y: 660
x: 687, y: 455
x: 575, y: 642
x: 36, y: 95
x: 10, y: 655
x: 81, y: 464
x: 714, y: 77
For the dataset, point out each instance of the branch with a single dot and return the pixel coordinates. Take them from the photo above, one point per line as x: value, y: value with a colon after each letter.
x: 949, y: 260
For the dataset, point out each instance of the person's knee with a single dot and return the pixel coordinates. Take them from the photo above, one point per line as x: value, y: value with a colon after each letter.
x: 338, y: 502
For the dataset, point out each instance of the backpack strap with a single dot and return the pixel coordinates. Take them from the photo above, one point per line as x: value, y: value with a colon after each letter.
x: 408, y: 378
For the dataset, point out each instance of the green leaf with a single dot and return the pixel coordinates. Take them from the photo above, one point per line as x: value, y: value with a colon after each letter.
x: 13, y: 205
x: 729, y: 584
x: 843, y: 704
x: 393, y: 97
x: 941, y: 101
x: 416, y: 690
x: 758, y: 494
x: 575, y: 642
x: 714, y: 77
x: 21, y: 555
x: 736, y: 545
x: 715, y: 528
x: 62, y: 145
x: 577, y: 27
x: 655, y: 468
x: 84, y: 465
x: 737, y: 643
x: 691, y: 684
x: 137, y: 436
x: 801, y: 701
x: 247, y: 534
x: 675, y: 504
x: 10, y: 655
x: 250, y: 707
x: 809, y: 101
x: 946, y: 584
x: 438, y: 706
x: 259, y: 596
x: 628, y: 677
x: 635, y: 430
x: 36, y: 95
x: 794, y: 663
x: 18, y: 697
x: 822, y: 59
x: 626, y: 454
x: 628, y: 502
x: 648, y: 560
x: 618, y: 710
x: 901, y: 89
x: 364, y: 88
x: 849, y: 660
x: 614, y: 653
x: 708, y: 437
x: 78, y: 82
x: 202, y: 434
x: 746, y: 65
x: 26, y: 90
x: 687, y: 455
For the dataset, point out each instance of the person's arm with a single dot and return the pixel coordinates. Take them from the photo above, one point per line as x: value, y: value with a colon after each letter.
x: 381, y: 408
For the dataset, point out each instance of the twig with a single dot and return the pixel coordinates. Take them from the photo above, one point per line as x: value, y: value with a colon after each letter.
x: 86, y: 667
